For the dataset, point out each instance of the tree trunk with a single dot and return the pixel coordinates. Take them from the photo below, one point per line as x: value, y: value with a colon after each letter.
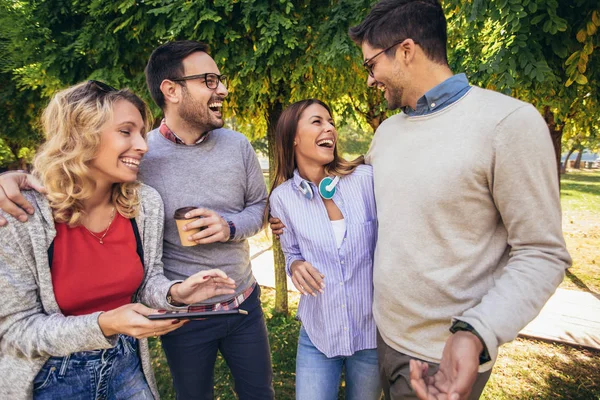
x: 556, y: 136
x: 281, y: 295
x: 374, y: 114
x: 563, y: 169
x: 375, y: 118
x: 578, y: 160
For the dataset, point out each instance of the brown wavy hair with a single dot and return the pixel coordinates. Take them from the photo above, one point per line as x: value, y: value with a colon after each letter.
x: 72, y: 123
x: 285, y: 159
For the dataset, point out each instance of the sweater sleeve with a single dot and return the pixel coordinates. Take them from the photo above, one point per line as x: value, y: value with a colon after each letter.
x: 155, y: 287
x: 288, y: 240
x: 524, y: 187
x: 249, y: 221
x: 25, y: 329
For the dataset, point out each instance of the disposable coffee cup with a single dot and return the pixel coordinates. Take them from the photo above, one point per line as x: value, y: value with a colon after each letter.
x: 180, y: 220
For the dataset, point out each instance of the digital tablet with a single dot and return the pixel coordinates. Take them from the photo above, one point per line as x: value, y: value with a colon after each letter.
x: 195, y: 314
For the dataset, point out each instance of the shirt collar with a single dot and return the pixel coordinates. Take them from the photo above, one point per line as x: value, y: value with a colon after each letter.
x: 298, y: 179
x: 440, y: 96
x: 171, y: 136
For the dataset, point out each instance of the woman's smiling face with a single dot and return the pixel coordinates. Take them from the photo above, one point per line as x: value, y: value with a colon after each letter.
x: 122, y: 146
x: 316, y: 137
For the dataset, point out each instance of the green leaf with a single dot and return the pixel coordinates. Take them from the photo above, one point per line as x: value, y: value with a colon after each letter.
x: 591, y: 28
x: 559, y: 49
x: 123, y: 24
x: 588, y: 48
x: 533, y: 7
x: 477, y: 9
x: 581, y: 79
x: 536, y: 20
x: 561, y: 24
x: 516, y: 7
x: 596, y: 18
x: 572, y: 58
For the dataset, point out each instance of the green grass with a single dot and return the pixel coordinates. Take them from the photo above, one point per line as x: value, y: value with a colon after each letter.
x: 525, y: 369
x: 580, y: 199
x: 530, y: 369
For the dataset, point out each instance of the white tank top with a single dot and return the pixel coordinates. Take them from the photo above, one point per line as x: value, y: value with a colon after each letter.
x: 339, y: 231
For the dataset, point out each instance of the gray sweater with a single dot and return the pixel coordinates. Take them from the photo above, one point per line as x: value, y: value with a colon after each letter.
x: 469, y: 223
x: 32, y: 327
x: 222, y: 174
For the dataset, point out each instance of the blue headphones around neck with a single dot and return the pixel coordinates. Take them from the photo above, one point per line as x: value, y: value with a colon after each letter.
x: 326, y: 188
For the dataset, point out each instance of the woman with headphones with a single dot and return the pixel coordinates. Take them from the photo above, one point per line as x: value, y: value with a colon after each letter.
x: 328, y: 208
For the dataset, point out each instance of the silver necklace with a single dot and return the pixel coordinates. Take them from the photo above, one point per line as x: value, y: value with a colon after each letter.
x: 101, y: 238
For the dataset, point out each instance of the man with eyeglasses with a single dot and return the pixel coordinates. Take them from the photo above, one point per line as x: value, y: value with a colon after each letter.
x: 193, y: 161
x: 470, y: 243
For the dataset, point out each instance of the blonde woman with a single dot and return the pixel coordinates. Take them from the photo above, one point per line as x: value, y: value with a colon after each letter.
x: 74, y: 275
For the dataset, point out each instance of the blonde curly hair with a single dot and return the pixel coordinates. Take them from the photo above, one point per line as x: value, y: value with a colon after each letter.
x: 72, y: 124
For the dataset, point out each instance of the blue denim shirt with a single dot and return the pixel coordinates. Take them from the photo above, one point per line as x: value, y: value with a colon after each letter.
x: 440, y: 96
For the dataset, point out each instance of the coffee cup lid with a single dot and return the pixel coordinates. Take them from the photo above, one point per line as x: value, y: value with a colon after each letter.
x: 180, y: 212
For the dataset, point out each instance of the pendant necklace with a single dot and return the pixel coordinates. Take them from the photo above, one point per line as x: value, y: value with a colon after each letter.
x: 101, y: 238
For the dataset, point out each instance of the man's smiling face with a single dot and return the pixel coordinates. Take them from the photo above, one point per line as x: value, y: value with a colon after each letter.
x: 201, y: 106
x: 388, y: 75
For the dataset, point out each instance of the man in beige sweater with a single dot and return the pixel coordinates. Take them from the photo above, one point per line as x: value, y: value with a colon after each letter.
x: 470, y: 241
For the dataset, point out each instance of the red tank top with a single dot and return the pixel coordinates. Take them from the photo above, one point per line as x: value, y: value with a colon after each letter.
x: 89, y: 276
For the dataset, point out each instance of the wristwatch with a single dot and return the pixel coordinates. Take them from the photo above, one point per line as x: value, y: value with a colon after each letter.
x: 170, y: 298
x: 231, y: 229
x: 463, y: 326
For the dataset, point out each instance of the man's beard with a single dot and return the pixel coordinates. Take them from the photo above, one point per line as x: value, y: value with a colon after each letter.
x: 395, y: 89
x: 394, y: 97
x: 198, y: 115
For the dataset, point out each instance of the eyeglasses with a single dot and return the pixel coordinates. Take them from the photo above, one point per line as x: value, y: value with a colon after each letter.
x: 369, y: 67
x: 211, y: 80
x: 103, y: 87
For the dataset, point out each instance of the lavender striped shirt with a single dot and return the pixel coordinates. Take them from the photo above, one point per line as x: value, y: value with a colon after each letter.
x: 340, y: 321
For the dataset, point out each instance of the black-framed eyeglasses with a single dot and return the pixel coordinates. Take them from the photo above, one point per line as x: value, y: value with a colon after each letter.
x: 103, y: 87
x: 367, y: 64
x: 211, y: 80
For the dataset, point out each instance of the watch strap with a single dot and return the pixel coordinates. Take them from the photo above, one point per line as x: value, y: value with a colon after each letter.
x: 231, y: 229
x: 458, y: 325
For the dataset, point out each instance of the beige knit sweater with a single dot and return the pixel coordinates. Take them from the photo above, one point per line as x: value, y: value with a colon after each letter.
x: 469, y: 223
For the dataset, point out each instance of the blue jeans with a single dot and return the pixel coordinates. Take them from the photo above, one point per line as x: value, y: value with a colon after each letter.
x: 242, y: 340
x: 318, y: 377
x: 95, y: 375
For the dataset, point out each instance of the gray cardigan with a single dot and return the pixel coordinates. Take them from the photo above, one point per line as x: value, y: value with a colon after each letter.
x: 32, y: 327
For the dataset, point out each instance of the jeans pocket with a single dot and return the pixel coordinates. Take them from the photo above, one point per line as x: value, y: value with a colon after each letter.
x: 130, y: 345
x: 44, y: 377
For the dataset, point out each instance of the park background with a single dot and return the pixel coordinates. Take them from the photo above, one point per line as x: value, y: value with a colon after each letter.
x: 278, y: 51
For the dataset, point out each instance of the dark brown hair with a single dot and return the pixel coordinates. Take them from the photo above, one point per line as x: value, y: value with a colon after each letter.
x: 166, y: 62
x: 391, y: 21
